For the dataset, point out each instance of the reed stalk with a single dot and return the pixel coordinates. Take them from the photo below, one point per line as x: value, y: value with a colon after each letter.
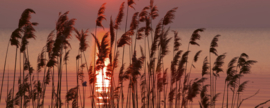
x: 14, y: 74
x: 123, y: 55
x: 3, y: 76
x: 66, y: 77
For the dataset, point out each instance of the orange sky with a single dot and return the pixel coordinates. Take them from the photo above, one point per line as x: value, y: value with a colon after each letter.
x: 191, y: 13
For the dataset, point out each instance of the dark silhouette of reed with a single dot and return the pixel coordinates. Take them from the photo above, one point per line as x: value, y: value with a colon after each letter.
x: 81, y: 36
x: 262, y: 103
x: 125, y: 39
x: 230, y: 72
x: 147, y: 68
x: 195, y: 36
x: 117, y: 23
x: 100, y: 18
x: 64, y: 27
x: 244, y: 66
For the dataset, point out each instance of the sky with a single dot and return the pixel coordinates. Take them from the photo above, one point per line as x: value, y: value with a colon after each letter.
x: 190, y: 13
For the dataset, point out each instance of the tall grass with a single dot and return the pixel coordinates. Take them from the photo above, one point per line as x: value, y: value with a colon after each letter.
x: 146, y: 68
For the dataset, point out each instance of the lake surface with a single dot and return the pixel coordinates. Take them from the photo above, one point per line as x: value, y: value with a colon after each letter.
x: 233, y: 42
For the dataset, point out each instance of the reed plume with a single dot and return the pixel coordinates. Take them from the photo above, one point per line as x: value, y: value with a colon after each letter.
x: 197, y: 56
x: 41, y: 60
x: 130, y: 3
x: 9, y: 100
x: 119, y: 17
x: 101, y: 16
x: 213, y: 45
x: 156, y: 39
x: 169, y: 16
x: 103, y: 48
x: 196, y: 36
x: 134, y: 23
x: 177, y: 44
x: 213, y: 50
x: 64, y: 27
x: 195, y: 89
x: 143, y: 14
x: 154, y: 10
x: 16, y: 34
x: 242, y: 86
x: 205, y: 98
x: 181, y: 64
x: 72, y: 94
x: 175, y: 63
x: 148, y: 28
x: 50, y: 42
x: 125, y: 39
x: 214, y: 99
x: 205, y: 67
x: 28, y: 34
x: 218, y: 64
x: 81, y: 36
x: 164, y: 41
x: 140, y: 33
x: 25, y: 17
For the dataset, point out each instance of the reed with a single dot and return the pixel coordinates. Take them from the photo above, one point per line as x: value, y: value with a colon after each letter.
x: 16, y: 34
x: 118, y: 21
x: 148, y: 70
x: 81, y: 36
x: 41, y: 61
x: 65, y: 60
x: 230, y: 72
x: 244, y: 65
x: 100, y: 18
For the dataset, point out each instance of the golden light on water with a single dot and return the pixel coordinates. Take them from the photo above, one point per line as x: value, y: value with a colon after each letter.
x: 103, y: 84
x: 102, y: 79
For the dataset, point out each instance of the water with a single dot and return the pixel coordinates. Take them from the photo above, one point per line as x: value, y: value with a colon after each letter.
x: 233, y: 42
